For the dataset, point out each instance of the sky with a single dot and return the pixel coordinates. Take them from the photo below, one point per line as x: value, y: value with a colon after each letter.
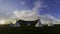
x: 53, y: 8
x: 44, y: 8
x: 50, y: 7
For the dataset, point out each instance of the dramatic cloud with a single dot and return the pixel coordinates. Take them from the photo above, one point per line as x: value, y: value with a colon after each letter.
x: 26, y: 14
x: 47, y: 18
x: 29, y: 14
x: 33, y: 14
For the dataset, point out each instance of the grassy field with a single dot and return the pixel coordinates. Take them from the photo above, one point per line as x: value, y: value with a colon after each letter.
x: 30, y: 30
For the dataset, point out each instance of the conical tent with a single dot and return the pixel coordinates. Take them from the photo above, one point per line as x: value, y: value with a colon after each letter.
x: 39, y: 24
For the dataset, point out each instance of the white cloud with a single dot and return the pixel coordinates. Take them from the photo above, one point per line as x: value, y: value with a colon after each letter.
x: 37, y: 5
x: 33, y: 14
x: 26, y: 14
x: 29, y: 14
x: 47, y: 18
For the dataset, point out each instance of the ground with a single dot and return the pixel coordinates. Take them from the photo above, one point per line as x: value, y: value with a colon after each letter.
x: 30, y: 30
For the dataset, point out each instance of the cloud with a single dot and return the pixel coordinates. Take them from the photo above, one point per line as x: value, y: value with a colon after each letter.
x: 26, y: 14
x: 29, y: 14
x: 48, y: 18
x: 37, y: 6
x: 33, y: 14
